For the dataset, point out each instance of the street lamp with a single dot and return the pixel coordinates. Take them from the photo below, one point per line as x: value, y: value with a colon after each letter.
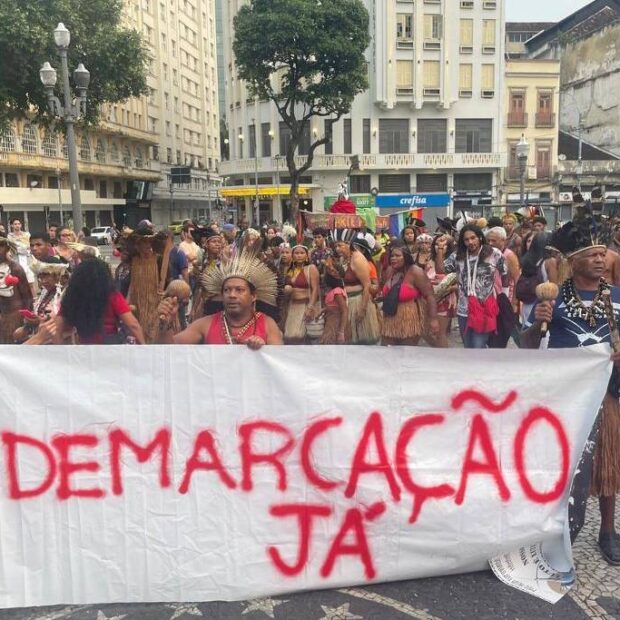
x: 523, y: 151
x: 256, y: 200
x: 70, y: 111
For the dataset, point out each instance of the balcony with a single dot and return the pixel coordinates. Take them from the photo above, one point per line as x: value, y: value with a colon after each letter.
x: 383, y: 161
x: 545, y: 119
x: 517, y: 119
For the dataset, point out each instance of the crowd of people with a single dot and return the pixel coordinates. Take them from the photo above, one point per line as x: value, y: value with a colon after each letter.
x: 343, y: 286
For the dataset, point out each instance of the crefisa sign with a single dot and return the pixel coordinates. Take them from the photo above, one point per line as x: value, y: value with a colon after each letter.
x: 412, y: 201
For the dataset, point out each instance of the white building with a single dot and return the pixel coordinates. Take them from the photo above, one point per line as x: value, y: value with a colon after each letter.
x: 430, y: 123
x: 182, y: 109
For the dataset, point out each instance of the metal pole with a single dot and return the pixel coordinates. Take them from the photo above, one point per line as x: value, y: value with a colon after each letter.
x: 256, y: 203
x: 209, y: 196
x: 522, y: 162
x: 69, y: 119
x: 58, y: 173
x: 579, y: 154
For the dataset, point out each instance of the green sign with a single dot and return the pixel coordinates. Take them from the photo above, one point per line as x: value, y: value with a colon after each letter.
x: 362, y: 201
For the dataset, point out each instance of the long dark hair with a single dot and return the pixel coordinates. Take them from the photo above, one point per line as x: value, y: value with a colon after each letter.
x: 449, y: 246
x: 536, y: 253
x: 407, y: 255
x: 461, y: 249
x: 84, y: 302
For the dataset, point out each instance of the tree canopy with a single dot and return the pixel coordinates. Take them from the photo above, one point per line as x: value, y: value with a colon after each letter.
x: 114, y: 55
x: 307, y: 56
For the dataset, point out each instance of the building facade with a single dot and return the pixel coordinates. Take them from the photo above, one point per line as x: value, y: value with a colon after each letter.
x: 531, y: 109
x: 182, y: 107
x: 429, y: 130
x: 518, y: 33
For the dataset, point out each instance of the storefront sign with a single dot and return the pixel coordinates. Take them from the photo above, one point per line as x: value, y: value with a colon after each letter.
x: 412, y: 201
x: 332, y: 220
x: 364, y: 201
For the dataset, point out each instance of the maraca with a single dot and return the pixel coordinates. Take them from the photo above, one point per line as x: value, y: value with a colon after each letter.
x: 179, y: 289
x: 546, y: 291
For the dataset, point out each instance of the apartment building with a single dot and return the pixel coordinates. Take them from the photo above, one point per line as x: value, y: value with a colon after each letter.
x: 182, y: 107
x: 532, y: 101
x: 428, y: 131
x: 517, y: 33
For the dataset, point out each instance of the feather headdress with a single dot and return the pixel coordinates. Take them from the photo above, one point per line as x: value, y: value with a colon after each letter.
x: 247, y: 266
x: 582, y: 233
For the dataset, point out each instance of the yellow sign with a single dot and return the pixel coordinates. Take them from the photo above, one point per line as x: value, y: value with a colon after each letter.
x: 248, y: 192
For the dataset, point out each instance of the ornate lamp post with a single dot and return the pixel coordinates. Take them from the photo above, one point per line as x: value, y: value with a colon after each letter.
x: 523, y: 151
x: 71, y: 110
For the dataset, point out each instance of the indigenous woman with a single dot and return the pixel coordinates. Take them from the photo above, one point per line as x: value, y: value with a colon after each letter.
x: 363, y: 315
x: 94, y: 308
x: 283, y: 264
x: 302, y: 291
x: 336, y: 310
x: 422, y: 257
x: 406, y: 324
x: 15, y: 292
x: 446, y: 305
x: 408, y: 235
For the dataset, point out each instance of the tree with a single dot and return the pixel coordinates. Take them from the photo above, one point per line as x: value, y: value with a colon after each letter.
x: 307, y: 56
x: 114, y: 55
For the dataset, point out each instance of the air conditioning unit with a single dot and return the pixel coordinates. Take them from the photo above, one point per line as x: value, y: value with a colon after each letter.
x: 489, y: 4
x: 467, y: 4
x: 466, y: 49
x: 465, y: 92
x: 405, y: 44
x: 487, y: 94
x: 531, y: 173
x: 566, y: 197
x: 432, y: 44
x: 404, y: 91
x: 488, y: 49
x: 431, y: 92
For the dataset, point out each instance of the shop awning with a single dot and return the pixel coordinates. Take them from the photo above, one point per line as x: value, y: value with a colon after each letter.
x: 247, y: 191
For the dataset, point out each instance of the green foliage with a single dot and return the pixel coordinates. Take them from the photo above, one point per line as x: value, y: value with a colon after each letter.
x: 114, y: 55
x: 307, y: 56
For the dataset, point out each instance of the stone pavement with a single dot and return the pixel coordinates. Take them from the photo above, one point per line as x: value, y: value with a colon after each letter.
x: 460, y: 597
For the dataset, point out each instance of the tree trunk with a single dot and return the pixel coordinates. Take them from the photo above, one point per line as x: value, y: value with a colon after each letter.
x: 294, y: 196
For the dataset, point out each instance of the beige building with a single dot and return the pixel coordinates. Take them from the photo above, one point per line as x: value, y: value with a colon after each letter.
x: 531, y: 109
x: 124, y: 165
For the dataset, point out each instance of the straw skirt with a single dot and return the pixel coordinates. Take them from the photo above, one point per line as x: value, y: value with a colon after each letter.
x: 369, y: 330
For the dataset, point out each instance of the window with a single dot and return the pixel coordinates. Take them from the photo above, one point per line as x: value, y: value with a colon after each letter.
x: 431, y: 78
x: 366, y: 135
x: 117, y: 190
x: 114, y: 154
x: 252, y: 138
x: 85, y: 149
x: 127, y: 156
x: 29, y: 140
x: 50, y: 144
x: 100, y: 152
x: 394, y: 183
x: 240, y: 143
x: 467, y: 36
x: 329, y: 132
x: 544, y: 109
x: 394, y: 135
x: 304, y: 140
x: 347, y: 136
x: 517, y: 116
x: 169, y: 155
x: 52, y: 182
x: 543, y: 160
x: 285, y: 137
x: 433, y: 26
x: 404, y: 30
x: 360, y: 184
x: 139, y: 158
x: 465, y: 80
x: 265, y: 128
x: 103, y: 189
x: 432, y: 135
x: 482, y: 182
x: 474, y: 135
x: 168, y: 130
x: 404, y: 77
x: 488, y: 81
x: 7, y: 140
x: 488, y: 36
x: 431, y: 183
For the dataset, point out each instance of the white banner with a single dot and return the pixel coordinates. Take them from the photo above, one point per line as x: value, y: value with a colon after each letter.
x: 201, y: 473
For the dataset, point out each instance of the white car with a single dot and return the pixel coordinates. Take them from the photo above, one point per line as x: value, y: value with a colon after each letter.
x: 103, y: 234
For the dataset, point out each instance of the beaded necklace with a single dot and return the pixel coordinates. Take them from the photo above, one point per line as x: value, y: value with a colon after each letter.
x: 576, y: 308
x: 240, y: 332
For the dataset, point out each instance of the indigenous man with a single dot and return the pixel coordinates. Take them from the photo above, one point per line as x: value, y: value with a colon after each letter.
x: 579, y: 317
x: 241, y: 282
x: 206, y: 304
x: 513, y: 241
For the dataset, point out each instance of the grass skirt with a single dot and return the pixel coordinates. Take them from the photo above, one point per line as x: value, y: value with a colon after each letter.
x: 330, y: 332
x: 295, y: 325
x: 369, y: 330
x: 606, y: 470
x: 144, y: 295
x: 408, y: 322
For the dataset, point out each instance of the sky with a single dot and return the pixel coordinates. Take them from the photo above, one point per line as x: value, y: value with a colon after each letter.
x: 541, y: 10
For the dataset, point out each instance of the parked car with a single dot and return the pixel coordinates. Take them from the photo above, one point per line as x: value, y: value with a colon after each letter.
x: 103, y: 235
x: 176, y: 227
